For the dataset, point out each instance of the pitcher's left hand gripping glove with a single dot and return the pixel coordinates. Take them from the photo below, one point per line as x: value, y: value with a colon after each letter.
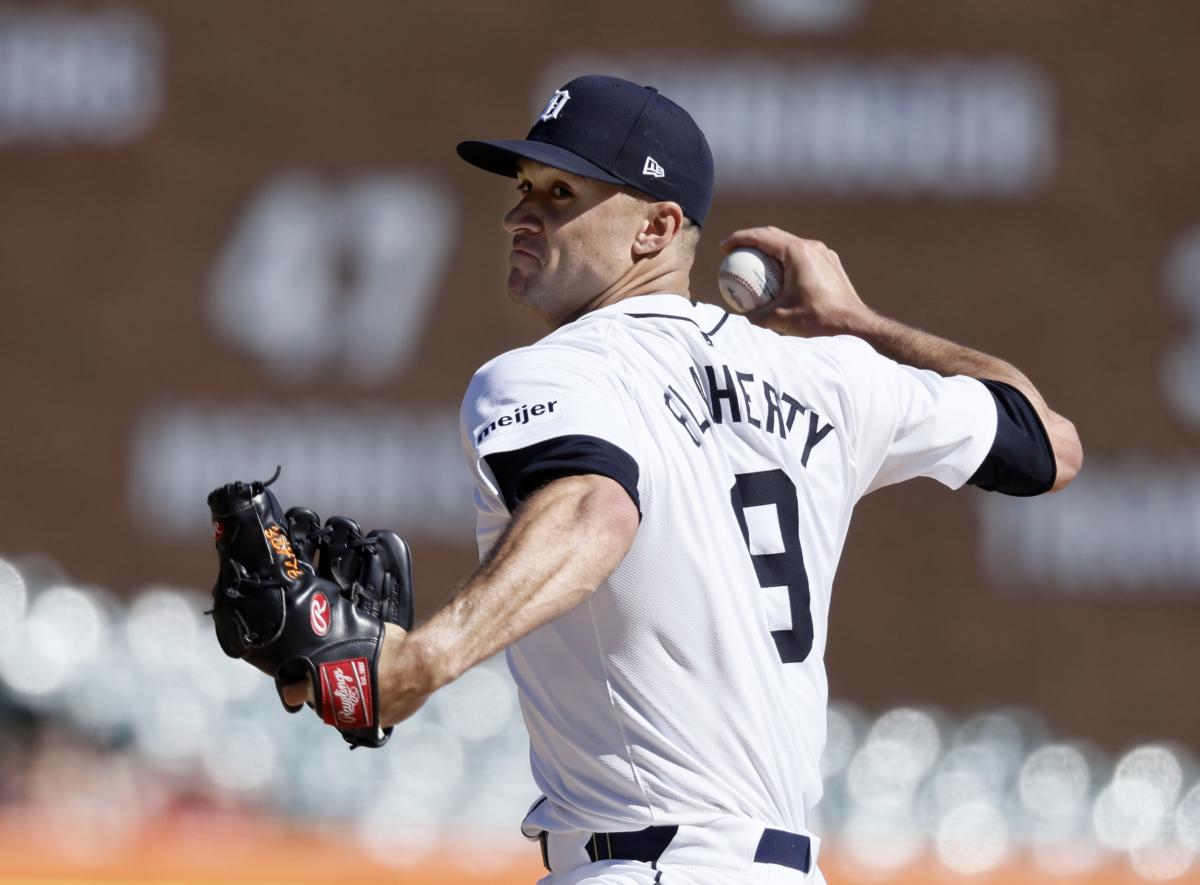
x: 297, y: 599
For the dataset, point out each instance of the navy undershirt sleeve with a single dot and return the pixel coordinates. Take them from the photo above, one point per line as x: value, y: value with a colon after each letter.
x: 522, y: 472
x: 1021, y: 461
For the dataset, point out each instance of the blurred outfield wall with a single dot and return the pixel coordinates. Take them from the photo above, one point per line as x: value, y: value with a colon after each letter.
x: 237, y: 235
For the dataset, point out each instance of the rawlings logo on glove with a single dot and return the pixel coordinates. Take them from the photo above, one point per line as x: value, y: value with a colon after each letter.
x: 309, y: 601
x: 318, y: 614
x: 347, y: 683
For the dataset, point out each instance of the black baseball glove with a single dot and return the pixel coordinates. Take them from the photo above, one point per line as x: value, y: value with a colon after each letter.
x: 297, y: 599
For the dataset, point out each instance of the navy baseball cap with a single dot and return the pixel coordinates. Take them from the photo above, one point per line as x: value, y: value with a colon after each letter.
x: 614, y: 131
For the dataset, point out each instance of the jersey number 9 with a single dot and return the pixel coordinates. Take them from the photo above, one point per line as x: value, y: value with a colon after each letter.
x: 779, y: 569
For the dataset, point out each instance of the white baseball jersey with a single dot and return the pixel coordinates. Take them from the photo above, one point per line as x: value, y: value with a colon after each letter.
x: 691, y: 685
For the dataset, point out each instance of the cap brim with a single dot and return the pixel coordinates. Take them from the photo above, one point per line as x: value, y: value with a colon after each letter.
x: 501, y: 158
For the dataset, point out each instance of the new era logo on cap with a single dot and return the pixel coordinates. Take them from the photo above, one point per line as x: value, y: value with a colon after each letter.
x: 617, y: 132
x: 651, y: 167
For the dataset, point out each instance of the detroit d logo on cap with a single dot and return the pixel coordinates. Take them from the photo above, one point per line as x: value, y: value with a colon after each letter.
x: 554, y: 105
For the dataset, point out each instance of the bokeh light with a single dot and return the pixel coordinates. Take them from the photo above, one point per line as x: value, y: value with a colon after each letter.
x: 240, y: 756
x: 398, y: 829
x: 885, y: 772
x: 162, y: 629
x: 1065, y: 847
x: 1054, y: 782
x: 172, y: 727
x: 478, y: 705
x: 844, y: 729
x: 1148, y: 771
x: 65, y: 623
x: 429, y: 761
x: 14, y: 597
x: 1161, y: 859
x: 1187, y: 819
x: 971, y: 772
x: 973, y: 838
x: 882, y: 842
x: 1127, y: 819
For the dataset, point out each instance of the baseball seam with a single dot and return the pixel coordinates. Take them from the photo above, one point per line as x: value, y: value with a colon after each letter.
x: 748, y: 285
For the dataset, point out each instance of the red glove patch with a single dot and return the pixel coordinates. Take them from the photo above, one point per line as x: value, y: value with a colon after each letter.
x: 346, y: 693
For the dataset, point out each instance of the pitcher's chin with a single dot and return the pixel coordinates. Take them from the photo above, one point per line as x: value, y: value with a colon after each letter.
x: 518, y: 284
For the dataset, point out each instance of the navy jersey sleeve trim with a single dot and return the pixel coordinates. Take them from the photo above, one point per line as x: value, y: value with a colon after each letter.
x: 1021, y: 461
x: 522, y: 472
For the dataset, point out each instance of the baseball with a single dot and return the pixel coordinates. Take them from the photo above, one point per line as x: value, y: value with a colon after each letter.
x: 749, y: 278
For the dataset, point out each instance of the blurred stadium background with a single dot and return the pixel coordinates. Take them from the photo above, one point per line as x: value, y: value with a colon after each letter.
x: 236, y: 235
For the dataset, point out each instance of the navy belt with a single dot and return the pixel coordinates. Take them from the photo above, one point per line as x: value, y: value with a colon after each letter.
x: 776, y: 846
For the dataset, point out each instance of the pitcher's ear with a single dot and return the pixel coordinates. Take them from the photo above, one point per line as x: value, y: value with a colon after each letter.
x: 662, y: 224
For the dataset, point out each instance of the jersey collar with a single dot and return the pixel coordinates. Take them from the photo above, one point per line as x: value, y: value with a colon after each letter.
x: 660, y: 304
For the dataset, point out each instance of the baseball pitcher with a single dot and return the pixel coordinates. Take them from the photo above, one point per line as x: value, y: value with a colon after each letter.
x: 663, y: 491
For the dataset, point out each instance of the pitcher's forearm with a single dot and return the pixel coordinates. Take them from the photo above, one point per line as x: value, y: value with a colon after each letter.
x: 923, y: 350
x: 564, y: 541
